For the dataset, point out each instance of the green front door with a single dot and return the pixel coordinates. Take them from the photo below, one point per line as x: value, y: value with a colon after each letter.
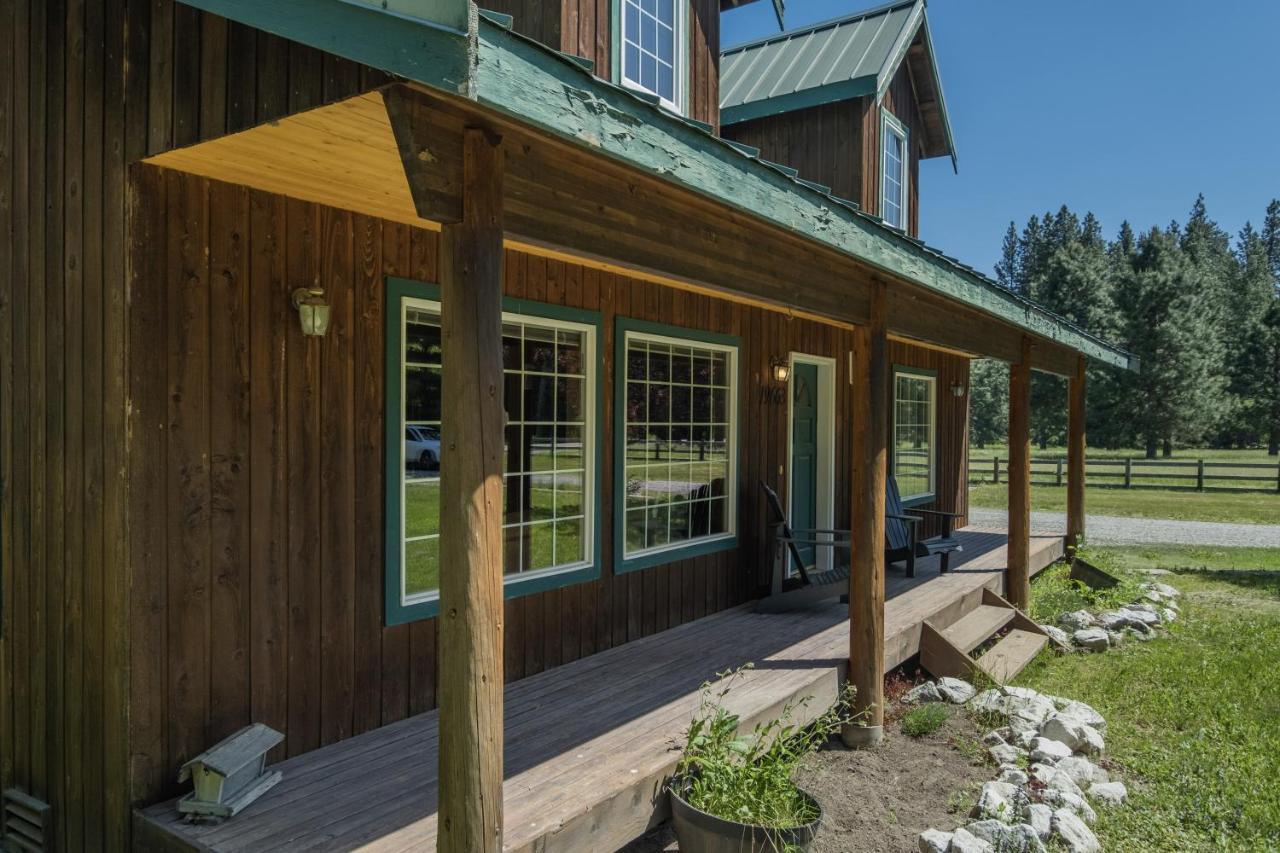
x: 804, y: 454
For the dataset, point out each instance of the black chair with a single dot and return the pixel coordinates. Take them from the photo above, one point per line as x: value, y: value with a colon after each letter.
x: 902, y: 537
x: 807, y: 587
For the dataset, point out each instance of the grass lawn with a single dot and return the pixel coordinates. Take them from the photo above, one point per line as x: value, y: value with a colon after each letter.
x: 1239, y: 507
x: 1257, y: 454
x: 1193, y: 717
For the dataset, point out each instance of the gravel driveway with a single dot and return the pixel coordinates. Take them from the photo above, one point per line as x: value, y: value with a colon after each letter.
x: 1117, y: 530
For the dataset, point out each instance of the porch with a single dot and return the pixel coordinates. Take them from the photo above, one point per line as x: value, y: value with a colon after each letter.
x: 588, y: 744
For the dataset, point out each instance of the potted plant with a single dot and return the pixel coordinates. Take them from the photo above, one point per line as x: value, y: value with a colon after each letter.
x: 735, y: 792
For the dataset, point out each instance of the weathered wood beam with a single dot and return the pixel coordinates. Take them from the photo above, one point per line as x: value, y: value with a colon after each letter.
x: 1076, y: 444
x: 1018, y: 576
x: 471, y: 597
x: 866, y: 577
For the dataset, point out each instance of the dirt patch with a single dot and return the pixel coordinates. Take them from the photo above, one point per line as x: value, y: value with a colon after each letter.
x: 879, y: 800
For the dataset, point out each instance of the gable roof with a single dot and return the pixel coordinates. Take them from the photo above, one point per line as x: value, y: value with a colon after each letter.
x: 852, y: 56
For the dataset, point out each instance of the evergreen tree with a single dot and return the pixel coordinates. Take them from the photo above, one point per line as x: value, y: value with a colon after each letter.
x: 988, y: 401
x: 1270, y: 240
x: 1246, y: 345
x: 1007, y: 266
x: 1164, y: 321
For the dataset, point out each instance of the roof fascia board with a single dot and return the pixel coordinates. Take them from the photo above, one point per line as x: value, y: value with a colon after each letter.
x: 829, y: 94
x: 519, y: 78
x: 895, y: 56
x: 942, y: 101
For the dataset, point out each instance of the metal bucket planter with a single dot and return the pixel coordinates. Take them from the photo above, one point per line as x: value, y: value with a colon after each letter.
x: 700, y: 832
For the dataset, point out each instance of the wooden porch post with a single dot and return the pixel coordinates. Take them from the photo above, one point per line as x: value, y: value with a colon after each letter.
x: 866, y: 579
x: 1018, y: 577
x: 470, y: 658
x: 1075, y: 456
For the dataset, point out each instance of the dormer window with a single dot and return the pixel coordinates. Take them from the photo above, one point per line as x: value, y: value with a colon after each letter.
x: 653, y: 48
x: 893, y: 173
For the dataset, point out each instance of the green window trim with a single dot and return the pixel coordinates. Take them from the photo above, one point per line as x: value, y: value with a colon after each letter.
x: 925, y: 373
x: 396, y: 610
x: 726, y: 542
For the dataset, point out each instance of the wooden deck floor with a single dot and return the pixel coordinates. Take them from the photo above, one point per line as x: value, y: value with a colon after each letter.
x: 588, y: 744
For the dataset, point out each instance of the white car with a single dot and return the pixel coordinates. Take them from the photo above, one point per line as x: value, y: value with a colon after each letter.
x: 422, y: 447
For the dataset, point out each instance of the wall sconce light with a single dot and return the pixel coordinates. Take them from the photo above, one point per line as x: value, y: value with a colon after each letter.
x: 313, y: 311
x: 781, y: 369
x: 957, y: 389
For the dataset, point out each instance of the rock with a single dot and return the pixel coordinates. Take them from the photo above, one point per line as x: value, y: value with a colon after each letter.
x: 1077, y: 620
x: 1155, y: 572
x: 1074, y: 732
x: 998, y: 801
x: 1084, y: 713
x: 1093, y: 639
x: 1077, y: 805
x: 1040, y: 818
x: 992, y: 738
x: 1152, y: 596
x: 1082, y: 771
x: 1005, y: 754
x: 955, y: 690
x: 1046, y: 750
x: 1073, y: 833
x: 1019, y: 707
x: 962, y: 841
x: 1016, y: 838
x: 1051, y: 778
x: 927, y: 692
x: 1013, y: 776
x: 1056, y: 634
x: 1163, y: 589
x: 934, y: 841
x: 1115, y: 637
x: 1142, y: 635
x: 1108, y: 794
x: 1115, y: 620
x: 1140, y: 607
x: 1025, y: 738
x: 1139, y: 628
x: 1136, y: 615
x: 1168, y: 615
x: 1172, y: 604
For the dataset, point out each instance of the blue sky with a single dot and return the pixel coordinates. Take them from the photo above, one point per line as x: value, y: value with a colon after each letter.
x: 1127, y: 108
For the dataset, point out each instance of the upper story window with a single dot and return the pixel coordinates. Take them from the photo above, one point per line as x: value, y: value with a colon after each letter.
x: 678, y: 417
x: 549, y: 461
x: 914, y: 399
x: 893, y: 173
x: 653, y: 48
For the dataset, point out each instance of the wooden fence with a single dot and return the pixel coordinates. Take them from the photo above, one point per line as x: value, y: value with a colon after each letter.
x: 1198, y: 475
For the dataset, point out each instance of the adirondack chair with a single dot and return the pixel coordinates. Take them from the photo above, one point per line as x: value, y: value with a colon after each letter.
x: 807, y: 587
x: 901, y: 535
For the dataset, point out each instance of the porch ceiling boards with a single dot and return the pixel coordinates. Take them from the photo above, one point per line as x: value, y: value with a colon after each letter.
x: 588, y: 744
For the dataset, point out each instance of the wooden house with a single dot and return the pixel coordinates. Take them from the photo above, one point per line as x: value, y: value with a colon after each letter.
x: 270, y: 269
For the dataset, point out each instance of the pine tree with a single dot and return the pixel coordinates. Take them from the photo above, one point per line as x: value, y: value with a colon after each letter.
x: 1246, y: 346
x: 988, y: 401
x: 1007, y: 266
x: 1163, y: 320
x: 1270, y: 240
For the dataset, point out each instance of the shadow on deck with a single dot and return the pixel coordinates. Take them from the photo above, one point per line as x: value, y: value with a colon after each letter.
x: 588, y: 744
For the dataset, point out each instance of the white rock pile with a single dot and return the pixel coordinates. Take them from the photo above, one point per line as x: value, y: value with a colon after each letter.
x: 1048, y: 785
x: 1157, y: 606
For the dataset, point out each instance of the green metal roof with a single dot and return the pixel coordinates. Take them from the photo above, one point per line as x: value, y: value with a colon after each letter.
x: 547, y: 90
x: 835, y: 60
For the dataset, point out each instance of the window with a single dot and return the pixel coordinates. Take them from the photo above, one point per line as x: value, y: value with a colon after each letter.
x: 913, y: 450
x: 893, y: 183
x: 549, y: 468
x: 653, y: 48
x: 677, y: 421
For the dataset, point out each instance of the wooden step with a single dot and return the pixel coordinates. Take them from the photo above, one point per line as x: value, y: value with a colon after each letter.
x: 978, y: 626
x: 1011, y: 655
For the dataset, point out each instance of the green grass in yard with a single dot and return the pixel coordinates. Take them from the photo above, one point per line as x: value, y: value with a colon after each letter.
x: 1189, y: 454
x: 1241, y: 507
x: 1193, y: 717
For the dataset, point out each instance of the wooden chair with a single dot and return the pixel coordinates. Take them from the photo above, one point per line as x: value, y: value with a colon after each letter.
x: 901, y: 535
x: 807, y: 587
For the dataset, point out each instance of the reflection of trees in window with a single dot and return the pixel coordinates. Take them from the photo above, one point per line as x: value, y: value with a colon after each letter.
x: 913, y: 434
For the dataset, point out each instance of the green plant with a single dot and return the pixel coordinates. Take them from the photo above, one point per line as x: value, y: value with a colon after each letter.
x: 1056, y: 592
x: 748, y: 778
x: 925, y: 720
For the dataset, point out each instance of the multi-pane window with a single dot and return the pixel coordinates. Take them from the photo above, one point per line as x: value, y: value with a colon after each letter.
x: 893, y: 190
x: 548, y: 452
x: 913, y: 418
x: 680, y: 418
x: 651, y: 47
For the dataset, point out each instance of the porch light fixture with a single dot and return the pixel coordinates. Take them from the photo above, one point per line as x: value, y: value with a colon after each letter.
x: 957, y: 389
x: 781, y: 369
x: 313, y: 311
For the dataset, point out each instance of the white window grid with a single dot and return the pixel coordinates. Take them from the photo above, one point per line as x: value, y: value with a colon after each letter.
x: 894, y: 183
x: 724, y: 426
x: 652, y: 40
x: 585, y: 471
x: 914, y: 416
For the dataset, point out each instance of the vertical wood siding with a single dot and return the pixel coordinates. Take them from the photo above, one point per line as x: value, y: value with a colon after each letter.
x: 292, y: 522
x: 86, y: 89
x: 825, y: 143
x: 900, y: 100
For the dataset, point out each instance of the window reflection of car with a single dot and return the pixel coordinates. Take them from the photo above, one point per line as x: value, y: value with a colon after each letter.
x: 422, y: 447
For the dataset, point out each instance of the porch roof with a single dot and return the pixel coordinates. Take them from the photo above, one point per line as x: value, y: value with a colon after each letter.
x: 553, y: 93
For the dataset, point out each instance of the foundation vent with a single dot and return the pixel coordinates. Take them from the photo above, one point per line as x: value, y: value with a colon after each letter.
x: 26, y: 822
